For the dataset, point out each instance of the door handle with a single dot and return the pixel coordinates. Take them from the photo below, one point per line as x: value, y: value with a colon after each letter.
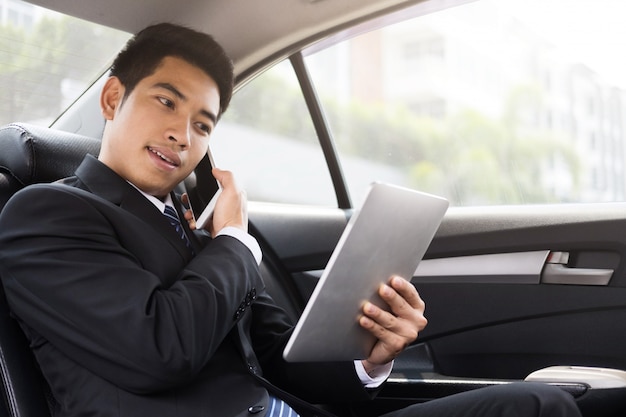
x: 556, y: 272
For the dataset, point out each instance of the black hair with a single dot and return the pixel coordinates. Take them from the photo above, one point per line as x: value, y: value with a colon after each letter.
x: 144, y: 52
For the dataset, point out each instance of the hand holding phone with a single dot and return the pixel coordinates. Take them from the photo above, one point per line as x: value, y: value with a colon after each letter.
x: 203, y: 191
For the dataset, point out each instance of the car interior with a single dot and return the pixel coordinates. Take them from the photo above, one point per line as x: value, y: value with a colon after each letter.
x: 514, y: 292
x: 35, y: 155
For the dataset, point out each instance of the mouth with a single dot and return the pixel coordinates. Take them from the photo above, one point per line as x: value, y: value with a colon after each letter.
x: 167, y: 159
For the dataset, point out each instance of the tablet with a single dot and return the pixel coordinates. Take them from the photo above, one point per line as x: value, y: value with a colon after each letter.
x: 387, y: 236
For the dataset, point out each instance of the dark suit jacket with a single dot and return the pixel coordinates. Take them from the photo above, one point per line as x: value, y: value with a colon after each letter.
x: 124, y: 321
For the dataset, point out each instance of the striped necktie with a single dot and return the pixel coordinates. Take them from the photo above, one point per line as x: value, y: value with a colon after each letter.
x: 279, y: 408
x: 171, y: 215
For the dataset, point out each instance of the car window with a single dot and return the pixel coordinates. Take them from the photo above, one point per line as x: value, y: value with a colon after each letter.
x: 266, y: 137
x: 491, y: 102
x: 47, y: 60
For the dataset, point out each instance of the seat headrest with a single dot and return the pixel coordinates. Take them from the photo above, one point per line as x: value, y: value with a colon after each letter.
x: 33, y: 154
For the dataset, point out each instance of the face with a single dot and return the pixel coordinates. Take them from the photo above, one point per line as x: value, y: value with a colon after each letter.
x: 158, y: 134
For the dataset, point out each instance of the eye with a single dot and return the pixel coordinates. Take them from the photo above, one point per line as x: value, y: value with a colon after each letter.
x: 166, y: 102
x: 204, y: 128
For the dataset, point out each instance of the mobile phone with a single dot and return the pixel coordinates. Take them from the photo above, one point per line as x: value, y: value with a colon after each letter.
x: 203, y: 190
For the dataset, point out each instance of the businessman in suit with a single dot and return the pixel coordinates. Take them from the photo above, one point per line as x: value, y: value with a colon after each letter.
x: 131, y: 313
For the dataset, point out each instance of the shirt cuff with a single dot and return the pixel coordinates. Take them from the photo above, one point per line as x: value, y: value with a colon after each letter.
x: 373, y: 381
x: 244, y: 238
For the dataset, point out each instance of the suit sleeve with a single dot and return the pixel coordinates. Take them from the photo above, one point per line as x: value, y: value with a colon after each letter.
x: 316, y: 382
x: 73, y: 274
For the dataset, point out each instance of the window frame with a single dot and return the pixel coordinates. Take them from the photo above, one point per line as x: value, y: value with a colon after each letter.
x: 322, y: 128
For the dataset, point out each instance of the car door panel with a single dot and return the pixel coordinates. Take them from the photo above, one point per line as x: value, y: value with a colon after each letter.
x: 534, y: 327
x: 496, y: 317
x: 302, y: 237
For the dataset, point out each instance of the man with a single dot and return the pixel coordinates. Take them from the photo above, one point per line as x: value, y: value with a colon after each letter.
x: 128, y: 316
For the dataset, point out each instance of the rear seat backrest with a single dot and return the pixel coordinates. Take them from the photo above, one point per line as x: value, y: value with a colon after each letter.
x: 29, y: 155
x: 32, y: 154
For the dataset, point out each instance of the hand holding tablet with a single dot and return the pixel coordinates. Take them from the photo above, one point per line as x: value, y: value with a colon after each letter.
x: 388, y: 236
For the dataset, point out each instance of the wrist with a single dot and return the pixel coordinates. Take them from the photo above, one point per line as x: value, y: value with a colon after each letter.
x: 378, y: 375
x: 369, y: 367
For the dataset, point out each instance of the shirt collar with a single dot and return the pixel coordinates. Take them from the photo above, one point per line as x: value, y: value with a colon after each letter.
x: 157, y: 202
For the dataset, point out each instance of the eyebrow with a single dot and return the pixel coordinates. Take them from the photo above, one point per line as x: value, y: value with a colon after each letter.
x: 169, y: 87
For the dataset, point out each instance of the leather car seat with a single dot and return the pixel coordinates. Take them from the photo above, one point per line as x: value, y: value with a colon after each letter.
x: 28, y: 155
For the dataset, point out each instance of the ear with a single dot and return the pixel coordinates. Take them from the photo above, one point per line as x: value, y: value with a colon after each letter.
x: 111, y: 97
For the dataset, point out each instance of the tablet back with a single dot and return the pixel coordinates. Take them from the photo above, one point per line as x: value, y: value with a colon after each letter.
x: 387, y: 236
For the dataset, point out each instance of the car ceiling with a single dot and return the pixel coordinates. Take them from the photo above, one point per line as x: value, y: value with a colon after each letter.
x: 279, y: 25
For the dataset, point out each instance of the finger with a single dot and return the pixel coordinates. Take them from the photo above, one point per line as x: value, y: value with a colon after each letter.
x: 185, y: 200
x: 230, y: 209
x: 191, y: 221
x: 402, y: 297
x: 407, y: 291
x: 389, y: 344
x: 188, y: 213
x: 397, y: 304
x: 402, y: 318
x: 374, y: 327
x: 378, y: 315
x: 244, y: 205
x: 225, y: 178
x: 227, y: 181
x: 394, y: 335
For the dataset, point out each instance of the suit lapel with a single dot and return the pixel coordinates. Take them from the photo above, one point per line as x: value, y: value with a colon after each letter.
x: 105, y: 183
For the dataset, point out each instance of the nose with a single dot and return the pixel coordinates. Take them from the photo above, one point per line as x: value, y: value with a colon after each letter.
x: 180, y: 132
